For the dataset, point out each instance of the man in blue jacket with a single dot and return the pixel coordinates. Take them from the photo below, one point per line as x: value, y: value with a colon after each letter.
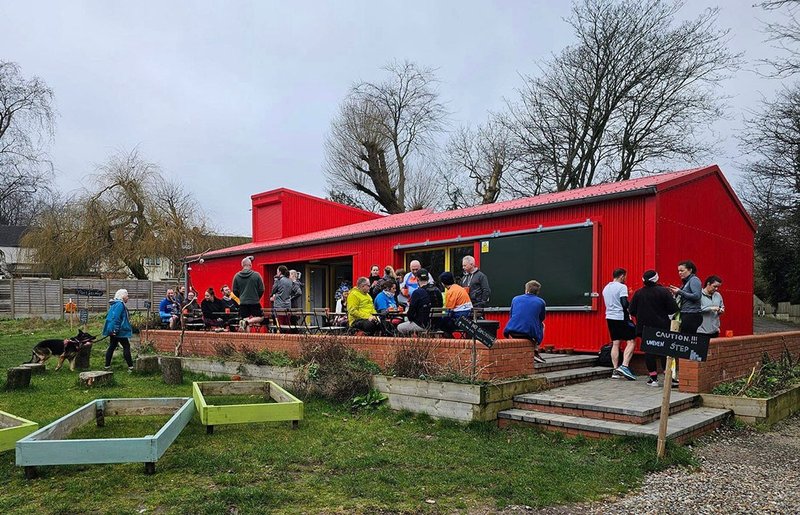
x: 527, y: 318
x: 169, y: 309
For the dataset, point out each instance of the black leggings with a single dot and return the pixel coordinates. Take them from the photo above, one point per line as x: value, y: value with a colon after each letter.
x: 126, y: 350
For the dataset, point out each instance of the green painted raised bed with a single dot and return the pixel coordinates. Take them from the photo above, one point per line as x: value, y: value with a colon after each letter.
x: 13, y: 428
x: 48, y: 445
x: 285, y: 407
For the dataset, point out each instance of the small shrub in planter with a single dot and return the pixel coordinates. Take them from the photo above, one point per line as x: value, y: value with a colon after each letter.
x: 771, y: 378
x: 224, y: 350
x: 263, y: 357
x: 333, y: 370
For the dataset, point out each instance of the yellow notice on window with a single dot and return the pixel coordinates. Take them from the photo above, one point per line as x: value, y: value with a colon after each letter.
x: 484, y: 247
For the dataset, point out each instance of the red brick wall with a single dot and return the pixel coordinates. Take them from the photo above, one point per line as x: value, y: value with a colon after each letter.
x: 732, y: 358
x: 507, y: 358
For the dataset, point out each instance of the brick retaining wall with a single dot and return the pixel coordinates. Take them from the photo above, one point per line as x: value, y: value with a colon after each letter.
x: 507, y: 358
x: 732, y: 358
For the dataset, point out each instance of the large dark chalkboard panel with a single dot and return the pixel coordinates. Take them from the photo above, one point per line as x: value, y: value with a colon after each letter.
x: 561, y: 260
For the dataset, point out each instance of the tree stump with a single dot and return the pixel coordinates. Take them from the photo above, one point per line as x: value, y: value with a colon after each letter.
x: 146, y: 364
x: 83, y: 357
x: 171, y: 370
x: 18, y: 378
x: 36, y: 368
x: 96, y: 378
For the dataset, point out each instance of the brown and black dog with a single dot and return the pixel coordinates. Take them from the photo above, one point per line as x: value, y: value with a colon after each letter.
x: 65, y: 349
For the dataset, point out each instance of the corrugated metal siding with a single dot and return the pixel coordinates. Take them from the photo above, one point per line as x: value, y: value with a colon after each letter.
x: 699, y: 221
x: 621, y: 243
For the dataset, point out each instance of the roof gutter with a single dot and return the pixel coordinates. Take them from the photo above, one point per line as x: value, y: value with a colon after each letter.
x: 649, y: 190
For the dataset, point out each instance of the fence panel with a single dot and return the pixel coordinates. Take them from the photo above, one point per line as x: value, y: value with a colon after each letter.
x: 43, y: 297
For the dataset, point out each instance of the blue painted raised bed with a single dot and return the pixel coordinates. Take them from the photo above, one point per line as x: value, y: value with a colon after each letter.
x: 48, y: 445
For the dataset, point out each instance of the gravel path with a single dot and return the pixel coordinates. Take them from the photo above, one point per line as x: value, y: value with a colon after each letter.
x: 741, y: 471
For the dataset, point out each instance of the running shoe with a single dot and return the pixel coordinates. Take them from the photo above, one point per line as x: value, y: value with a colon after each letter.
x: 615, y: 375
x: 675, y: 383
x: 625, y: 371
x: 652, y: 381
x: 537, y: 358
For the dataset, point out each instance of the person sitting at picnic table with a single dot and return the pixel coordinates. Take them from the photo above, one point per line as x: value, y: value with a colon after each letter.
x: 191, y: 311
x: 386, y: 307
x: 527, y: 318
x: 360, y: 308
x: 213, y: 310
x: 229, y: 300
x: 340, y: 315
x: 419, y: 307
x: 169, y: 309
x: 456, y: 303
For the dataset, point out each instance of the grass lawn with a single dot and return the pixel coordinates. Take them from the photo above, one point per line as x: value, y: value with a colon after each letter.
x: 338, y: 461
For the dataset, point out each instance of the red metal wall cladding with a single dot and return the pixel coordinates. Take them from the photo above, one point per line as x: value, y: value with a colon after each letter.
x: 698, y: 220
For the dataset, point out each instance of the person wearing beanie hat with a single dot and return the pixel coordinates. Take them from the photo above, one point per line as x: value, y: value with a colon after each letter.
x: 652, y: 306
x: 456, y: 302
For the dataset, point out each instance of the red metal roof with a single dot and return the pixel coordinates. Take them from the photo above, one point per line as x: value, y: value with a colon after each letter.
x: 426, y: 217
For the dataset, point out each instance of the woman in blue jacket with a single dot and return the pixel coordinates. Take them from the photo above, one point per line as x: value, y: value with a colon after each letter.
x: 118, y: 329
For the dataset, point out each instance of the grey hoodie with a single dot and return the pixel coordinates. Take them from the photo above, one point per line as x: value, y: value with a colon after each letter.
x: 690, y: 295
x: 248, y: 286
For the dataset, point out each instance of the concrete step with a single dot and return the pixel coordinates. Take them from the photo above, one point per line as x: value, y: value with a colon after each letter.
x: 681, y: 427
x: 564, y: 361
x: 607, y: 399
x: 574, y: 375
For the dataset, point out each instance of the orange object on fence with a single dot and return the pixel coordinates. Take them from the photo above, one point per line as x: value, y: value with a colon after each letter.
x: 729, y: 333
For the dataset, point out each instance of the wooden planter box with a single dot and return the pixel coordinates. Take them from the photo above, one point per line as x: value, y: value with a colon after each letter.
x: 12, y: 429
x: 282, y: 376
x: 462, y: 402
x: 48, y: 446
x: 285, y: 407
x: 752, y: 411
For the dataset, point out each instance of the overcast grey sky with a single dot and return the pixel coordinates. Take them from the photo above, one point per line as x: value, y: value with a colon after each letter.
x: 234, y: 98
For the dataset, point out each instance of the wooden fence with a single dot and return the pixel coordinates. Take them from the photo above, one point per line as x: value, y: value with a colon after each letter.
x: 20, y: 298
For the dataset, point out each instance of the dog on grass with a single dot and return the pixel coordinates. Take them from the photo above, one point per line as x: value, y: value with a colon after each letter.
x: 65, y: 349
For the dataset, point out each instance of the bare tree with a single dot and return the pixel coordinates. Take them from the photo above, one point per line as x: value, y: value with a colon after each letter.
x: 133, y: 214
x: 376, y: 143
x: 482, y: 162
x: 785, y: 34
x: 635, y: 89
x: 26, y: 128
x: 772, y: 193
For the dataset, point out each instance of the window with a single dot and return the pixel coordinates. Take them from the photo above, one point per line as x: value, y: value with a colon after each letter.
x: 436, y: 261
x: 152, y: 261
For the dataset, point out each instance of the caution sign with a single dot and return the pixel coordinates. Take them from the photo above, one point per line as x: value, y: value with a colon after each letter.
x: 474, y: 330
x: 661, y: 342
x: 484, y: 247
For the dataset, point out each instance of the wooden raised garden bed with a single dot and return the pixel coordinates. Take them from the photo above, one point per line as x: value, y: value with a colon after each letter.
x: 13, y: 428
x: 758, y: 410
x: 455, y: 401
x: 278, y: 405
x: 49, y: 446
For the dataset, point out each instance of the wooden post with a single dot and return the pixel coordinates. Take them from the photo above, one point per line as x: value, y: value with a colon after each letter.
x: 13, y: 309
x: 18, y: 377
x: 171, y: 370
x: 61, y: 299
x: 662, y: 426
x: 83, y: 358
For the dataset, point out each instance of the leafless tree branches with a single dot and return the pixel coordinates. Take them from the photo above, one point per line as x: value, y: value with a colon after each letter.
x: 785, y: 34
x: 633, y: 90
x: 26, y: 129
x: 133, y: 213
x: 375, y: 146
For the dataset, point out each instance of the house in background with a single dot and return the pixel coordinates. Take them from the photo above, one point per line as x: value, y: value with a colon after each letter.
x: 16, y: 261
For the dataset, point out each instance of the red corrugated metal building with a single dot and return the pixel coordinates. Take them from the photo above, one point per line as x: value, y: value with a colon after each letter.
x: 570, y: 241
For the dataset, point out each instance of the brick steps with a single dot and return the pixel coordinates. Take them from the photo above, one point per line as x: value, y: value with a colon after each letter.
x: 619, y: 409
x: 682, y: 427
x: 557, y: 362
x: 574, y: 375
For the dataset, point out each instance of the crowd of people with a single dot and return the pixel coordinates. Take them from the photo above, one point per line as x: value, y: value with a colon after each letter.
x: 692, y: 308
x: 402, y: 303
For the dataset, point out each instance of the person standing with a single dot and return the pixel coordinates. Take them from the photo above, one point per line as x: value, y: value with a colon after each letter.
x: 688, y: 297
x: 374, y: 281
x: 475, y: 282
x: 615, y: 295
x: 652, y: 306
x: 410, y: 283
x: 711, y: 306
x: 118, y: 329
x: 527, y: 318
x: 249, y: 287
